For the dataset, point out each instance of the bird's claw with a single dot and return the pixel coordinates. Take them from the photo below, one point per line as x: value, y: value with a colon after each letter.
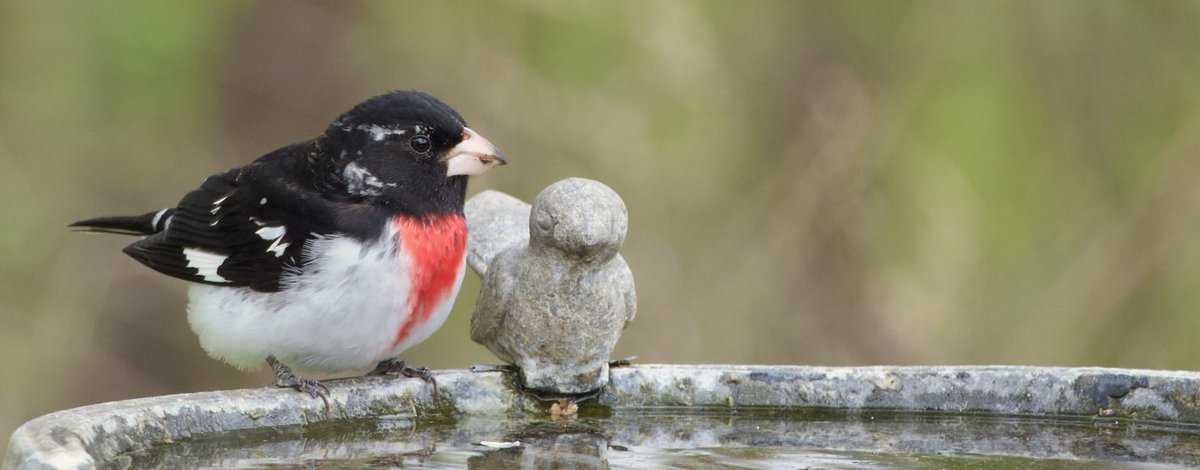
x: 398, y: 366
x: 314, y: 389
x: 285, y: 378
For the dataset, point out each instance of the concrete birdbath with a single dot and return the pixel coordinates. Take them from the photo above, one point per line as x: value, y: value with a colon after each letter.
x: 554, y: 281
x: 674, y: 415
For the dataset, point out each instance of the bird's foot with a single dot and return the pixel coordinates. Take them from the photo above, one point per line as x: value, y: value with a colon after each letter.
x: 285, y: 378
x: 394, y: 365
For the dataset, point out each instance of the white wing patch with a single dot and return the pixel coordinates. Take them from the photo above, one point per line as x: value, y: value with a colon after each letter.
x: 205, y: 263
x: 278, y: 247
x: 217, y: 203
x: 158, y: 218
x: 274, y: 234
x: 271, y: 233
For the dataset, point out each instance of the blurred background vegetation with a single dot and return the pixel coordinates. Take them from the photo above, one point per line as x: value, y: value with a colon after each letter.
x: 828, y: 183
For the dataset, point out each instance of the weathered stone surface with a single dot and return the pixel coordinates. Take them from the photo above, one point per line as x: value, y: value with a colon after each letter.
x: 495, y: 221
x: 553, y: 302
x: 686, y: 438
x: 1169, y: 396
x: 91, y: 435
x: 82, y: 437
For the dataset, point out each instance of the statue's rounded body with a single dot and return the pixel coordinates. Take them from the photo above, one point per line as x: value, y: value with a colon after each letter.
x: 555, y: 306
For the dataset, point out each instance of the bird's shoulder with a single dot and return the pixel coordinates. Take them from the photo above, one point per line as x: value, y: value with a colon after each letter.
x: 249, y: 226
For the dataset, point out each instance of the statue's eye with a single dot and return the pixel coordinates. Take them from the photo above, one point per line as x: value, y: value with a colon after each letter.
x: 420, y: 144
x: 544, y: 221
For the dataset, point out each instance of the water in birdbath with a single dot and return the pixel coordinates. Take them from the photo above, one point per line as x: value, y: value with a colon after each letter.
x: 676, y: 438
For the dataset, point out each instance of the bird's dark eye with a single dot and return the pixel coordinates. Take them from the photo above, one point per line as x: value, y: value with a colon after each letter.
x: 420, y: 144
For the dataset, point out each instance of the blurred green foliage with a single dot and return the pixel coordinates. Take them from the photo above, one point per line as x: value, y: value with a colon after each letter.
x: 808, y: 182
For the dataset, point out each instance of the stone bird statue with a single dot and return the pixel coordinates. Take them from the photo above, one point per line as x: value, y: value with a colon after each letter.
x: 556, y: 294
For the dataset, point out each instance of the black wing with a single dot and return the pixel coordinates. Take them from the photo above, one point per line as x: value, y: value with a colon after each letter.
x: 247, y: 227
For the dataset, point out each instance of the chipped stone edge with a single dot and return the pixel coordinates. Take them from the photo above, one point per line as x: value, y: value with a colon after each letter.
x: 88, y: 436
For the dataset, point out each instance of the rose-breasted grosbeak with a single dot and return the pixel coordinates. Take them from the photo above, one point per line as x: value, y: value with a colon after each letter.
x: 330, y: 254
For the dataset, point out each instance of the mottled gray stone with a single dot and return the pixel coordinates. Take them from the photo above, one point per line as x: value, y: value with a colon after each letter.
x: 1169, y: 396
x: 495, y: 221
x: 556, y: 294
x: 485, y: 405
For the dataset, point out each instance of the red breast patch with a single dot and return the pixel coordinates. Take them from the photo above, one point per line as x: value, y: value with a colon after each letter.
x: 436, y: 244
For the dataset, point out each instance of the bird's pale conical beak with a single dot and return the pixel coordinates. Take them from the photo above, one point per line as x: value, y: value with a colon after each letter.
x: 472, y: 156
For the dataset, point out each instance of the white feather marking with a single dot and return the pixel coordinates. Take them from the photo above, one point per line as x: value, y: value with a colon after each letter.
x: 205, y: 263
x: 274, y: 234
x: 217, y: 203
x: 271, y: 232
x: 360, y: 181
x: 378, y: 132
x: 157, y: 217
x: 279, y: 247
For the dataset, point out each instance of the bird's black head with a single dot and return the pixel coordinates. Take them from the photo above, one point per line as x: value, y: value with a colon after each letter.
x: 404, y: 150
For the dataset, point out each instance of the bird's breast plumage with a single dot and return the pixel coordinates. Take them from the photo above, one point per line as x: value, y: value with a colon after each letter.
x: 350, y: 304
x: 435, y: 244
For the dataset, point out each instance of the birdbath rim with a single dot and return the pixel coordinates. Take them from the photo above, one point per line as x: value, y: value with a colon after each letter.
x: 94, y: 434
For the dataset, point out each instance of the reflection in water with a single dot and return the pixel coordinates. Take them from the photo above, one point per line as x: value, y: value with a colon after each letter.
x: 666, y: 438
x: 554, y: 444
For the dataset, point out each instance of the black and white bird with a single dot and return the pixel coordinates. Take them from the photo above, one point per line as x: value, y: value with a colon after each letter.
x: 330, y: 254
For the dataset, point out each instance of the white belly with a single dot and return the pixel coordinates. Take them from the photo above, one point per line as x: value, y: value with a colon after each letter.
x: 342, y: 313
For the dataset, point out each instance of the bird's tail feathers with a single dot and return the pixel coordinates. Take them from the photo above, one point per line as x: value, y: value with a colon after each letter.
x: 145, y: 224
